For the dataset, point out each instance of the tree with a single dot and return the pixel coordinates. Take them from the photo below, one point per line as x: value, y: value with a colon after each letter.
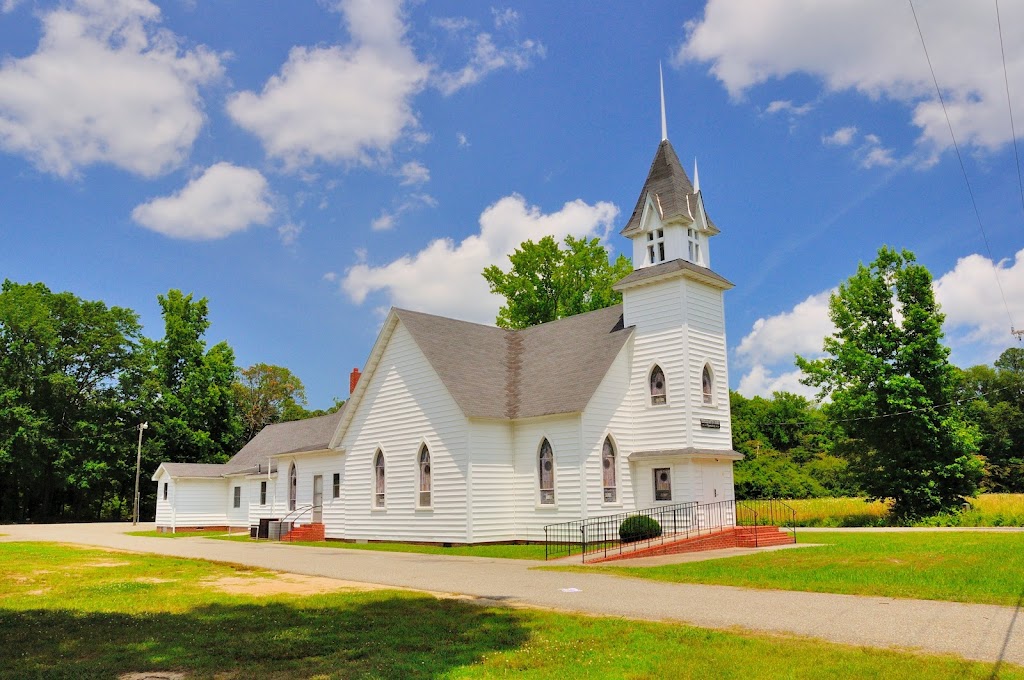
x: 65, y: 431
x: 891, y: 384
x: 996, y: 403
x: 547, y: 283
x: 264, y: 394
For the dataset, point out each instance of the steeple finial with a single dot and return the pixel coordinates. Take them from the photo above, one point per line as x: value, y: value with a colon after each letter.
x: 664, y: 125
x: 696, y: 177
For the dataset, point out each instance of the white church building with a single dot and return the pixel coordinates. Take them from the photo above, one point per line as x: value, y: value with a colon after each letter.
x: 462, y: 433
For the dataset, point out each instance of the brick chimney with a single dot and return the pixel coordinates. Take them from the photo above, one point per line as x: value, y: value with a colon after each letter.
x: 353, y: 380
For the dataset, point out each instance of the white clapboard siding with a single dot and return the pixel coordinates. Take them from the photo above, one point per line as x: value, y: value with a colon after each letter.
x: 164, y: 508
x: 199, y: 502
x: 237, y: 517
x: 405, y: 405
x: 607, y: 414
x: 306, y: 468
x: 706, y: 345
x: 564, y: 435
x: 493, y: 481
x: 259, y: 511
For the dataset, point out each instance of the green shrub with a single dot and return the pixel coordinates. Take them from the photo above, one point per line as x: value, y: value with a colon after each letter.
x: 639, y: 528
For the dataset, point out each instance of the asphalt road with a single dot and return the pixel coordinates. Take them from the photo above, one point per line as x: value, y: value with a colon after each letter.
x: 982, y: 632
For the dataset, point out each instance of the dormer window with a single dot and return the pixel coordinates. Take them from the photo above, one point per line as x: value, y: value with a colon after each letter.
x: 656, y: 246
x: 657, y: 386
x: 693, y: 245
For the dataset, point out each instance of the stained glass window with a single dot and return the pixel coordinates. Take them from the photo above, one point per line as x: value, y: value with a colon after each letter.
x: 546, y: 464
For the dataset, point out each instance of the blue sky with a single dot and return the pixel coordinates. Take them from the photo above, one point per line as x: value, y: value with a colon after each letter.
x: 306, y: 165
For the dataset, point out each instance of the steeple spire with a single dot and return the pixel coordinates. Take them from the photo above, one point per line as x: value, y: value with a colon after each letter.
x: 696, y: 178
x: 664, y: 125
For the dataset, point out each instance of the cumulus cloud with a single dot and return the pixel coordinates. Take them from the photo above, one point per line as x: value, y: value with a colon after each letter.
x: 486, y: 58
x: 760, y: 381
x: 414, y: 172
x: 444, y: 277
x: 383, y: 222
x: 105, y: 85
x: 223, y: 200
x: 787, y: 106
x: 749, y: 42
x: 340, y: 103
x: 841, y: 137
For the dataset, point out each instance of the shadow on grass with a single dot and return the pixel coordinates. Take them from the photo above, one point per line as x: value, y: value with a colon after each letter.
x: 376, y: 636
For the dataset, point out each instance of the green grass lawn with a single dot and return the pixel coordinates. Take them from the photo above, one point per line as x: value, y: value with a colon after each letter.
x: 962, y: 566
x: 67, y: 612
x: 511, y: 552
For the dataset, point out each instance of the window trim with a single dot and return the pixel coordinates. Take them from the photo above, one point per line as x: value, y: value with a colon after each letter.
x: 165, y: 490
x: 616, y: 500
x: 293, y: 487
x: 236, y: 497
x: 420, y: 505
x: 541, y: 502
x: 336, y: 485
x: 378, y: 499
x: 263, y: 493
x: 652, y: 399
x: 708, y: 397
x: 656, y: 246
x: 655, y: 481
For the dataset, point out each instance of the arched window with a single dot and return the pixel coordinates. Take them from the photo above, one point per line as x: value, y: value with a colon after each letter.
x: 546, y: 468
x: 424, y: 498
x: 708, y: 385
x: 608, y: 471
x: 657, y: 386
x: 293, y: 486
x: 378, y: 483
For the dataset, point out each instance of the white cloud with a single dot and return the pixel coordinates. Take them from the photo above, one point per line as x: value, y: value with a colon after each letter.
x: 105, y: 85
x: 453, y: 24
x: 339, y: 103
x: 461, y: 139
x: 841, y: 137
x: 786, y: 105
x: 798, y: 331
x: 388, y: 217
x: 383, y: 222
x: 749, y: 42
x: 444, y: 277
x: 330, y: 277
x: 504, y: 17
x: 289, y: 233
x: 223, y: 200
x: 761, y: 382
x: 414, y: 172
x: 486, y: 58
x: 9, y: 5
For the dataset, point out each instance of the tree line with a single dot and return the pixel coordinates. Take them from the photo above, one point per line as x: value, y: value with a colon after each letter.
x: 77, y: 377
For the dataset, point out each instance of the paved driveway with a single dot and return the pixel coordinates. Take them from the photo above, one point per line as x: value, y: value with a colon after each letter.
x: 982, y: 632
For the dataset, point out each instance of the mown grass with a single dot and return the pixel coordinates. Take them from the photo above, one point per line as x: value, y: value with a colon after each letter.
x: 503, y: 551
x: 76, y: 613
x: 961, y: 567
x: 987, y: 510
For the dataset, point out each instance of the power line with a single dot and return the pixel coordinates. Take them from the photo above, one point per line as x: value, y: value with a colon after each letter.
x: 1009, y: 106
x: 963, y: 169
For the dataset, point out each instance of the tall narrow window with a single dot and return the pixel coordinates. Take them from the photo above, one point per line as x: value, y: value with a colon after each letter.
x: 237, y: 501
x: 263, y: 493
x: 693, y: 245
x: 656, y: 246
x: 165, y: 490
x: 608, y: 471
x: 424, y: 497
x: 657, y: 386
x: 707, y: 384
x: 293, y: 486
x: 546, y: 468
x: 378, y: 484
x: 662, y: 484
x: 336, y: 486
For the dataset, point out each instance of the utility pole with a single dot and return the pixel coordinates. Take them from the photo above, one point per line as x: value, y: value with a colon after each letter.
x: 138, y: 466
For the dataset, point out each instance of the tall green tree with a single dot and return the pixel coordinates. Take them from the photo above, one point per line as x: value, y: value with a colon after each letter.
x: 891, y: 383
x: 996, y: 403
x: 264, y: 394
x: 547, y: 282
x: 65, y: 430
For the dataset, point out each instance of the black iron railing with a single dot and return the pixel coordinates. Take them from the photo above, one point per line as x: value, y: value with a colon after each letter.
x: 606, y: 535
x: 767, y: 512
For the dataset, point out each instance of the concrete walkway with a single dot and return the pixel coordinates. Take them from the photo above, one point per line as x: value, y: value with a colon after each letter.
x: 982, y: 632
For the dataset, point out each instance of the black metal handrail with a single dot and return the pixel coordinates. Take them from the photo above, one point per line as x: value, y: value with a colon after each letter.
x: 766, y: 512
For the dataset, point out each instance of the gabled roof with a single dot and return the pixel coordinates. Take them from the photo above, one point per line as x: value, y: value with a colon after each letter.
x: 669, y: 186
x: 311, y: 434
x: 497, y: 373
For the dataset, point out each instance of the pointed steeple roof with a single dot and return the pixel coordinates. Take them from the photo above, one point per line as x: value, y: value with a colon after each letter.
x: 669, y: 187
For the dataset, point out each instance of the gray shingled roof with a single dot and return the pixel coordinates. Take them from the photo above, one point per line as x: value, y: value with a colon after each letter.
x: 311, y: 434
x: 670, y: 183
x: 668, y: 268
x: 498, y: 373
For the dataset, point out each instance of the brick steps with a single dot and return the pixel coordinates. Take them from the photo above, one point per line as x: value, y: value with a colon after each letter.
x: 305, y: 532
x: 733, y: 537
